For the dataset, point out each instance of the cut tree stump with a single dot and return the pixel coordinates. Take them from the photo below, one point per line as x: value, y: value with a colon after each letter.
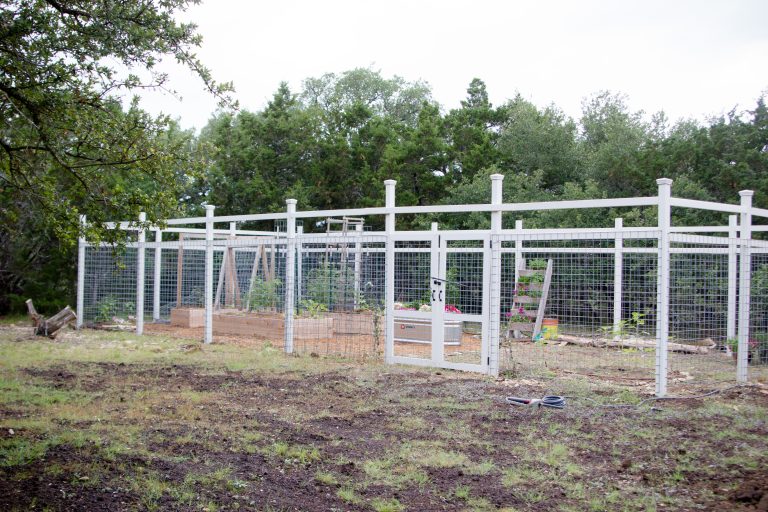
x: 36, y: 317
x: 51, y: 326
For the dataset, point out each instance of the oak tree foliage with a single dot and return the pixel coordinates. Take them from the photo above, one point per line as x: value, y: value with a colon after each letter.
x: 73, y: 141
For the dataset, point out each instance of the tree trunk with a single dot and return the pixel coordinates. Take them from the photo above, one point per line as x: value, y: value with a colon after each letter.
x: 600, y: 342
x: 52, y: 326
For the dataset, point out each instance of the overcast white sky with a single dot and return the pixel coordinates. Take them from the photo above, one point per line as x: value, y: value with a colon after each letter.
x: 688, y: 58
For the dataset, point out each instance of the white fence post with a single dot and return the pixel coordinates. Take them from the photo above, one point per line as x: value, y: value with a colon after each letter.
x: 493, y: 329
x: 290, y: 273
x: 358, y: 263
x: 518, y: 249
x: 745, y: 273
x: 80, y: 275
x: 140, y: 277
x: 618, y: 269
x: 389, y: 297
x: 733, y: 275
x: 209, y: 273
x: 157, y: 273
x: 662, y: 285
x: 299, y: 263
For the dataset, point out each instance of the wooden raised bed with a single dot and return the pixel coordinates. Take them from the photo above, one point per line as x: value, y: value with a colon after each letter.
x: 355, y: 322
x: 188, y: 317
x: 258, y: 325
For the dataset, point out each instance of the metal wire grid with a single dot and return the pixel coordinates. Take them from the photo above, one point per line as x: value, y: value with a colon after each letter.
x: 339, y: 291
x: 464, y: 276
x: 758, y: 314
x: 109, y: 285
x: 581, y: 297
x: 413, y: 273
x: 464, y: 289
x: 593, y: 338
x: 169, y: 276
x: 248, y: 292
x: 698, y: 311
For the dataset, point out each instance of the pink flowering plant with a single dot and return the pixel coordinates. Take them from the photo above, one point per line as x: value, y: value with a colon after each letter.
x: 450, y: 308
x: 518, y: 316
x: 401, y: 306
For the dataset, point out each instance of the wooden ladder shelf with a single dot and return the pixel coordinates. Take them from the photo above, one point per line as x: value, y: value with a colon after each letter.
x: 534, y: 282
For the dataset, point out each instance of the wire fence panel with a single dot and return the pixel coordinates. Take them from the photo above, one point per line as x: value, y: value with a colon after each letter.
x: 698, y: 313
x: 757, y: 358
x: 414, y: 270
x: 590, y: 326
x: 109, y: 286
x: 248, y: 292
x: 465, y: 296
x: 340, y: 287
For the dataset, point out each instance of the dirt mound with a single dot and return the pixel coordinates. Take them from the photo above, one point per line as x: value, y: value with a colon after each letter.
x: 753, y: 493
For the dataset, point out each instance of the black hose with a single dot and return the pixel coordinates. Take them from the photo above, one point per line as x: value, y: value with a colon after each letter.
x: 553, y: 401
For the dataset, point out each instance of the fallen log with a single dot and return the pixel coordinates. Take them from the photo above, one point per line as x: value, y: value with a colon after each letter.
x: 635, y: 343
x: 51, y: 326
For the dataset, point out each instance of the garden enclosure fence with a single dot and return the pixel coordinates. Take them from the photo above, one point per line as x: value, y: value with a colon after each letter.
x: 671, y: 305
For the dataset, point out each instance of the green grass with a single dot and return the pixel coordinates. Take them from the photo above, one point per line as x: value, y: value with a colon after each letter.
x: 19, y: 451
x: 348, y: 495
x: 15, y: 393
x: 326, y: 478
x: 390, y: 505
x: 294, y: 453
x: 394, y: 473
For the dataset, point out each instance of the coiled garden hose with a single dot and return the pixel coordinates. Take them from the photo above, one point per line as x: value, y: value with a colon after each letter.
x: 553, y: 401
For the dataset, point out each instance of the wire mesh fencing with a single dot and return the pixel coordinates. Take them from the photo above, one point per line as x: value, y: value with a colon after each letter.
x: 597, y: 292
x: 110, y: 286
x: 339, y: 291
x: 413, y: 284
x: 757, y: 344
x: 599, y: 305
x: 699, y: 313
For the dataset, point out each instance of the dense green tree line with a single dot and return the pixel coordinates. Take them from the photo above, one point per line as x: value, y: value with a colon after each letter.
x: 69, y: 146
x: 332, y: 144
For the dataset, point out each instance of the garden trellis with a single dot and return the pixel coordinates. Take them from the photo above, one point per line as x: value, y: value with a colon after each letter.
x: 668, y: 304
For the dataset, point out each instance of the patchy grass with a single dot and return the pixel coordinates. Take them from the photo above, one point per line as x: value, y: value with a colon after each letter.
x: 102, y: 420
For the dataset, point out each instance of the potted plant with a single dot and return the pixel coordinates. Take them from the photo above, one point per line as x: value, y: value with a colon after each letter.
x: 519, y: 320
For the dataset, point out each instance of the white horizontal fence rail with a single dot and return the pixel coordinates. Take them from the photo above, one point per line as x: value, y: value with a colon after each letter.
x: 617, y: 251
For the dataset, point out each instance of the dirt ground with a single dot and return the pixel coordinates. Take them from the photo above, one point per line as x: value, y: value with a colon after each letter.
x: 110, y: 421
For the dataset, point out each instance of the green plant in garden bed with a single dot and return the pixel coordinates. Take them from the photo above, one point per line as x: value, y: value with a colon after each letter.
x: 109, y: 307
x: 532, y: 279
x: 106, y: 308
x: 313, y: 309
x: 264, y: 294
x: 537, y: 264
x: 518, y: 316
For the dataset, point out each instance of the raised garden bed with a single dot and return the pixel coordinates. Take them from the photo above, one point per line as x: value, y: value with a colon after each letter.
x: 188, y: 317
x: 258, y: 325
x: 355, y: 322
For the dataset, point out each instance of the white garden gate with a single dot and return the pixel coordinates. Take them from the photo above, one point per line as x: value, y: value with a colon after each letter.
x: 442, y: 314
